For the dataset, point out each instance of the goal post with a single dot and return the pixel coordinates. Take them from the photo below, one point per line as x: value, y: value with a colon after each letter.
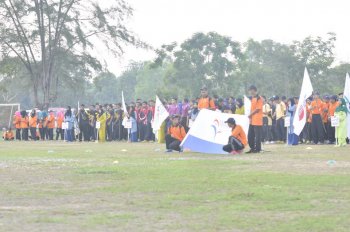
x: 6, y: 114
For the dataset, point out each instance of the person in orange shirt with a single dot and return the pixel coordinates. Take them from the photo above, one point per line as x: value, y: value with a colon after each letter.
x: 32, y: 124
x: 50, y: 124
x: 256, y: 121
x: 176, y: 133
x: 59, y: 130
x: 7, y: 135
x: 317, y: 127
x: 24, y: 125
x: 308, y: 137
x: 325, y: 116
x: 333, y: 104
x: 17, y: 124
x: 238, y: 140
x: 206, y: 102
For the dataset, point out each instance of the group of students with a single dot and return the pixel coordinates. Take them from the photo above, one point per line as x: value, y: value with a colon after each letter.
x: 267, y: 121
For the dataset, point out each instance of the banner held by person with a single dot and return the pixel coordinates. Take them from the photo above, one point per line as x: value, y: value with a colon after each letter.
x: 160, y: 115
x: 299, y: 120
x: 209, y: 132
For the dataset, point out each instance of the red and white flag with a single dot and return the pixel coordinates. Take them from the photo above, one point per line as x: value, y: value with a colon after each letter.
x: 299, y: 120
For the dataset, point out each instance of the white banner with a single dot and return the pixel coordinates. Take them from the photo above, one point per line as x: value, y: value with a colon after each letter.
x: 209, y: 133
x: 299, y: 120
x: 160, y: 114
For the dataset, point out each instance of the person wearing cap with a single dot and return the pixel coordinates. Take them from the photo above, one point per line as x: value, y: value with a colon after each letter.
x: 206, y: 102
x: 238, y: 139
x: 317, y: 127
x: 176, y: 133
x: 256, y: 121
x: 333, y: 104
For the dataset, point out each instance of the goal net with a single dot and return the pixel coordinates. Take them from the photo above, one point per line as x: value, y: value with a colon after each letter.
x: 6, y: 115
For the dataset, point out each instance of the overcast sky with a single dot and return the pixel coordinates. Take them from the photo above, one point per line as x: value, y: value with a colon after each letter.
x: 159, y: 22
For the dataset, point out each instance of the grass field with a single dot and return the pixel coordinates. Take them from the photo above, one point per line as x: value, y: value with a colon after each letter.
x: 136, y: 187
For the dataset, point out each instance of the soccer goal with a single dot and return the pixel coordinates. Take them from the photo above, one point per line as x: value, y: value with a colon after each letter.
x: 6, y: 114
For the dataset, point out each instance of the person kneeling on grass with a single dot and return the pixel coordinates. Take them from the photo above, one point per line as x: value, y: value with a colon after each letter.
x: 238, y: 139
x: 176, y: 133
x: 7, y: 135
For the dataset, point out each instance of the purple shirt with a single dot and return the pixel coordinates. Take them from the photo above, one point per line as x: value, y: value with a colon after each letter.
x: 173, y: 109
x: 185, y: 109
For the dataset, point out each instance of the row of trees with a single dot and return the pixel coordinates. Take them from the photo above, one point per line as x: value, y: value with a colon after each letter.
x: 47, y: 58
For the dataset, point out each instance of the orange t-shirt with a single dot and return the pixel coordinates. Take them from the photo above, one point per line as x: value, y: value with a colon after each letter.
x: 24, y: 122
x: 317, y: 106
x: 206, y: 103
x: 308, y: 112
x: 332, y: 107
x: 17, y: 122
x: 239, y: 134
x: 32, y: 121
x: 59, y: 122
x: 257, y: 118
x: 51, y: 121
x: 325, y: 111
x: 177, y: 132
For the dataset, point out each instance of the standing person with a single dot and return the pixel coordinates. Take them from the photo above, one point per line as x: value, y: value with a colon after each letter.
x: 24, y: 122
x: 17, y: 124
x: 325, y: 116
x: 256, y: 121
x: 293, y: 139
x: 42, y: 124
x: 205, y: 101
x: 143, y: 116
x: 173, y: 107
x: 193, y: 113
x: 109, y: 122
x: 238, y: 139
x: 308, y: 134
x: 267, y: 121
x: 280, y: 113
x: 118, y: 121
x: 341, y: 130
x: 333, y: 104
x: 176, y: 133
x: 132, y: 132
x: 317, y: 127
x: 102, y: 118
x: 33, y: 122
x: 70, y: 119
x: 92, y: 123
x: 239, y: 109
x: 59, y: 130
x: 83, y: 123
x: 50, y: 124
x: 185, y: 114
x: 151, y: 110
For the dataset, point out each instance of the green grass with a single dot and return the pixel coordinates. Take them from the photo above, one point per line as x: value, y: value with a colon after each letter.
x: 79, y: 187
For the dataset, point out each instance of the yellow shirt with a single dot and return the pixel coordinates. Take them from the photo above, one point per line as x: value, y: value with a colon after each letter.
x: 240, y: 111
x: 280, y: 110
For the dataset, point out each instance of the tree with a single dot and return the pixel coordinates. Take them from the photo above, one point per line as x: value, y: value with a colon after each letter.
x: 36, y: 31
x: 204, y: 59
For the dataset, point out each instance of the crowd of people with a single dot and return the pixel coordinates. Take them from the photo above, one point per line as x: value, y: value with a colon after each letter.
x: 110, y: 122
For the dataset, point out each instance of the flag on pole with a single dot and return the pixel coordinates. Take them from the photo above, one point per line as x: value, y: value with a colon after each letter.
x: 347, y: 99
x: 300, y: 117
x: 247, y: 105
x: 123, y: 104
x: 209, y: 133
x: 160, y: 114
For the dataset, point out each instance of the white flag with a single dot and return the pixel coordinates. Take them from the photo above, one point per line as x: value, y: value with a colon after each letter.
x: 347, y: 99
x: 300, y: 116
x: 247, y: 105
x: 123, y: 104
x: 160, y: 114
